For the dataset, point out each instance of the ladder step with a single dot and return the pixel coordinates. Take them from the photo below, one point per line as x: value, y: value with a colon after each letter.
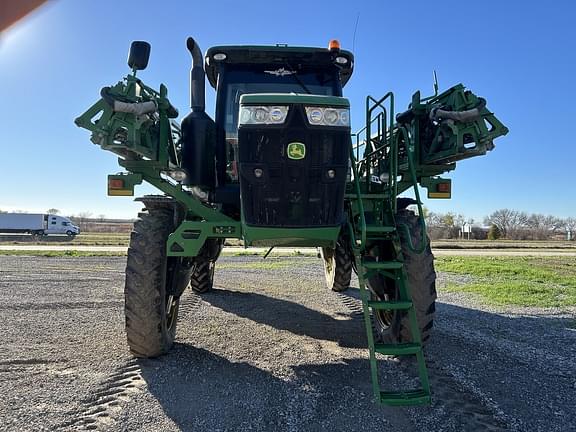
x: 398, y: 349
x: 379, y: 229
x: 390, y: 305
x: 382, y: 265
x: 406, y: 398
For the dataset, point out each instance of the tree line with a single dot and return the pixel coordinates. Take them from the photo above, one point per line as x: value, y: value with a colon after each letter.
x: 503, y: 223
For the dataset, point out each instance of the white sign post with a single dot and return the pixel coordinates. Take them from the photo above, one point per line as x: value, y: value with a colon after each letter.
x: 466, y: 228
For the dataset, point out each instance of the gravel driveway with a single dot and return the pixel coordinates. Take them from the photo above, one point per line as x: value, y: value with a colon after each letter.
x: 270, y: 349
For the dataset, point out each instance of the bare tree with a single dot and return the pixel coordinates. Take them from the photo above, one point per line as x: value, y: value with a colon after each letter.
x: 444, y: 225
x: 433, y: 219
x: 449, y: 219
x: 511, y: 223
x: 543, y: 227
x: 82, y: 219
x: 570, y: 226
x: 53, y: 211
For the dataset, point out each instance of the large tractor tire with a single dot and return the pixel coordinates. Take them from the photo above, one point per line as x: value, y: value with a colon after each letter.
x: 154, y: 283
x: 393, y: 326
x: 202, y: 279
x: 338, y: 265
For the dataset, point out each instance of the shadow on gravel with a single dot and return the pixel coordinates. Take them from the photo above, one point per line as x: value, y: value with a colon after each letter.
x: 290, y: 316
x: 200, y: 390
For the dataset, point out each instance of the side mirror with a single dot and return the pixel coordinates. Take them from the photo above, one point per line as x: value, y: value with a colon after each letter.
x: 139, y: 55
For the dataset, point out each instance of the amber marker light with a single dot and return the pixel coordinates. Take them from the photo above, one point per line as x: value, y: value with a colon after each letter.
x: 334, y: 45
x: 443, y: 187
x: 116, y: 184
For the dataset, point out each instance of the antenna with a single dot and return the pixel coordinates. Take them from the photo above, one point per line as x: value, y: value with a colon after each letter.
x: 354, y: 36
x: 435, y: 84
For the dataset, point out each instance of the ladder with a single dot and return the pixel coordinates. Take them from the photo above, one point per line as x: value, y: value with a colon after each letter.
x: 394, y: 270
x: 381, y: 206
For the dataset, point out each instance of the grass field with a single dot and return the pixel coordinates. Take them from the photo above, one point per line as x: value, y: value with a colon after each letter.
x: 518, y: 281
x: 503, y: 244
x: 122, y: 239
x: 84, y: 239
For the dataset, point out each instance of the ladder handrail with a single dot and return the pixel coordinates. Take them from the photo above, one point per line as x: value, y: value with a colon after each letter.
x: 410, y: 151
x: 388, y: 136
x: 360, y: 204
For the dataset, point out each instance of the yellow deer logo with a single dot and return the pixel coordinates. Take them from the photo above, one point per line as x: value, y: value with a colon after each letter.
x: 296, y: 150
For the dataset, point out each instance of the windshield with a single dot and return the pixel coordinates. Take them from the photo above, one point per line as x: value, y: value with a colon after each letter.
x: 272, y: 79
x: 267, y: 79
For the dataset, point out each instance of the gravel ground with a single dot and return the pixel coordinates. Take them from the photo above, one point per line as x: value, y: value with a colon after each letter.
x: 269, y: 349
x: 305, y: 251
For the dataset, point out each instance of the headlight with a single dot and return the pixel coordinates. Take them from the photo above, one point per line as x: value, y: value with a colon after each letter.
x: 263, y: 114
x: 328, y: 116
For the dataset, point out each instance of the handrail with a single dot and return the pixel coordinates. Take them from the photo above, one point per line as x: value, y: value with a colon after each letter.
x: 388, y: 135
x: 409, y: 151
x: 386, y: 141
x: 360, y: 205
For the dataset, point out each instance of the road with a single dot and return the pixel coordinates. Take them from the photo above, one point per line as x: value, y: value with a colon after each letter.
x: 304, y: 251
x: 269, y: 349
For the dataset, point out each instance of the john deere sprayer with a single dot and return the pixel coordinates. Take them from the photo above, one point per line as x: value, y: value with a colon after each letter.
x: 277, y: 165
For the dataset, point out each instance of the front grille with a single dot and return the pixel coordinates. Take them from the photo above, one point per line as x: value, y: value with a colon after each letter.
x: 293, y: 193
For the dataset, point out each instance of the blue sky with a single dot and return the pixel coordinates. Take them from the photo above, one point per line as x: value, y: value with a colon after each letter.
x: 520, y: 56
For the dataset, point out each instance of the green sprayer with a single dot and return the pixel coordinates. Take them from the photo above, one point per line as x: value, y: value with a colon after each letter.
x: 279, y: 166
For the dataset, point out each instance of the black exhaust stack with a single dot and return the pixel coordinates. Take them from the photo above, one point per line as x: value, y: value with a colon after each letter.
x: 197, y: 77
x: 198, y: 129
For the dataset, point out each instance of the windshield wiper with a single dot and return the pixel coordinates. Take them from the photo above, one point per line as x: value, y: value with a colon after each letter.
x: 297, y: 78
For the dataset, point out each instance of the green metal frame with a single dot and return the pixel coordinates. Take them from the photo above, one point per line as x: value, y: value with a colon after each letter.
x: 387, y: 159
x: 148, y: 151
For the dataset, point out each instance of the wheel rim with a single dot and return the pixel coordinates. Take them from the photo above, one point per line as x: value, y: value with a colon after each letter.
x: 171, y: 316
x: 383, y: 318
x: 171, y: 301
x: 380, y: 290
x: 329, y: 257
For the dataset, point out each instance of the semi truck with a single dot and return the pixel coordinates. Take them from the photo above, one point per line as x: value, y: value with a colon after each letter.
x: 37, y: 224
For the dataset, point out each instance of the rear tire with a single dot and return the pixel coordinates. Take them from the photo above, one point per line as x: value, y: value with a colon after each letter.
x: 151, y: 293
x: 338, y: 265
x: 393, y: 326
x: 202, y: 279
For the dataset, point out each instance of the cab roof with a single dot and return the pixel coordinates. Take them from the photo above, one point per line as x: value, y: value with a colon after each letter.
x: 280, y: 55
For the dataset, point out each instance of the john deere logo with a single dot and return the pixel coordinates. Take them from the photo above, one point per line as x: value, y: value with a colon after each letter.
x: 296, y: 150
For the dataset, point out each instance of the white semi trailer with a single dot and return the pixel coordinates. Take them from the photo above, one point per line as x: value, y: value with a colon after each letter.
x: 37, y: 224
